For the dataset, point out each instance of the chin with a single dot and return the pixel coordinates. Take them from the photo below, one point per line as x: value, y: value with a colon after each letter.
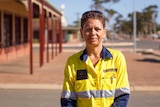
x: 93, y: 43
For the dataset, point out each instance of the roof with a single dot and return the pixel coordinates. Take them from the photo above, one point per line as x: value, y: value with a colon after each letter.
x: 46, y: 3
x: 70, y: 28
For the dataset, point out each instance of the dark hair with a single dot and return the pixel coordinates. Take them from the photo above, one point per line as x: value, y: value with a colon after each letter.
x: 94, y: 14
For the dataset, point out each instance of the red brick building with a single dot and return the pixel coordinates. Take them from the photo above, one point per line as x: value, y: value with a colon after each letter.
x: 19, y: 19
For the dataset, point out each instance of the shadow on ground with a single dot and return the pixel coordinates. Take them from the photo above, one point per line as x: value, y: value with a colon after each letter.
x: 149, y: 60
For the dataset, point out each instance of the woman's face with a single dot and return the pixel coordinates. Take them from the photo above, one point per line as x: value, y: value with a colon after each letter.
x: 93, y: 32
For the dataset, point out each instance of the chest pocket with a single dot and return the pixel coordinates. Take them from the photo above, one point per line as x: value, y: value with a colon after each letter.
x: 109, y: 78
x: 82, y: 81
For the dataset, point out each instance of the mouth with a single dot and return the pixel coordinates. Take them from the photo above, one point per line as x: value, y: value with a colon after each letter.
x: 93, y: 39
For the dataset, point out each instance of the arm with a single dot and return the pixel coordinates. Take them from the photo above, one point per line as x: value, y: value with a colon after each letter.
x: 68, y: 96
x: 122, y: 86
x: 67, y: 102
x: 121, y: 101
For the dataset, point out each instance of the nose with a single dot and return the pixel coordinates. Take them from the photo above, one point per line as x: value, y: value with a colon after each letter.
x: 93, y: 31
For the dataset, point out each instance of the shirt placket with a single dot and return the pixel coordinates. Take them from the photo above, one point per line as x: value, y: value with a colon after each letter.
x: 97, y: 71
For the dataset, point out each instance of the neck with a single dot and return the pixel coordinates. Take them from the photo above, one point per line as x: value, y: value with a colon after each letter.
x: 94, y: 54
x: 94, y: 51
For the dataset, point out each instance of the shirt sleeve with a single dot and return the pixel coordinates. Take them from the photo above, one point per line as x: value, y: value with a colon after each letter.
x: 68, y: 95
x: 122, y: 87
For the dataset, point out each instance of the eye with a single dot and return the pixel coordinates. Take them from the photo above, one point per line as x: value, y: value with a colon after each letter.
x: 88, y: 29
x: 97, y: 29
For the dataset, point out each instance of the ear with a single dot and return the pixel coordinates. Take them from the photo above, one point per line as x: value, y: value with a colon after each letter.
x: 105, y: 32
x: 81, y: 32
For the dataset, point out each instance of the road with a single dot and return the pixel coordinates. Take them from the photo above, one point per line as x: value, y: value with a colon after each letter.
x: 51, y: 98
x: 149, y: 44
x: 140, y: 44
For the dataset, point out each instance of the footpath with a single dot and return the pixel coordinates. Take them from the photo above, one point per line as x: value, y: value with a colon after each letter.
x: 143, y: 70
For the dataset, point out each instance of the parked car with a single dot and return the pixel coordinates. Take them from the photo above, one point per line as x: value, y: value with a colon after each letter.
x: 154, y: 36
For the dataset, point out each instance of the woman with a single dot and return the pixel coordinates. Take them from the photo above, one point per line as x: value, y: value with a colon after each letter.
x: 96, y: 76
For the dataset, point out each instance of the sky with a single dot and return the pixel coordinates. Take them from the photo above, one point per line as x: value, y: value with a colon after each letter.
x: 75, y: 8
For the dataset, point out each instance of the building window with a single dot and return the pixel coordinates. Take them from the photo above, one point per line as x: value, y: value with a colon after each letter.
x: 8, y: 30
x: 25, y: 30
x: 17, y: 30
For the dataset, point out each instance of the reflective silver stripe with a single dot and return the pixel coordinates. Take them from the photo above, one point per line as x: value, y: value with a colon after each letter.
x: 96, y: 94
x: 68, y: 94
x: 122, y: 91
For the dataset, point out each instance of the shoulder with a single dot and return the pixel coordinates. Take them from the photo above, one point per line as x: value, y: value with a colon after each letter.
x: 115, y: 52
x: 75, y: 56
x: 118, y: 57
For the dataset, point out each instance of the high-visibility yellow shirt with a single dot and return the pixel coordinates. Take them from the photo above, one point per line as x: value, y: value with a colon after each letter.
x: 104, y: 85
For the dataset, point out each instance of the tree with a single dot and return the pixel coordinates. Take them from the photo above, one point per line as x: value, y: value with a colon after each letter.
x: 150, y: 15
x: 117, y: 25
x: 146, y: 22
x: 99, y: 5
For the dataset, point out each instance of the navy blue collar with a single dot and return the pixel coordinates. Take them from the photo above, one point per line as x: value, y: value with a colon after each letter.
x: 104, y: 54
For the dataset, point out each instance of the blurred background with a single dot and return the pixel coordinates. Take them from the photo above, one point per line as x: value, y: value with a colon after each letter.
x: 119, y: 16
x: 37, y: 37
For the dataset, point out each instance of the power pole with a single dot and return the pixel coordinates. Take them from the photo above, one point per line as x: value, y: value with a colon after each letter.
x: 134, y: 27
